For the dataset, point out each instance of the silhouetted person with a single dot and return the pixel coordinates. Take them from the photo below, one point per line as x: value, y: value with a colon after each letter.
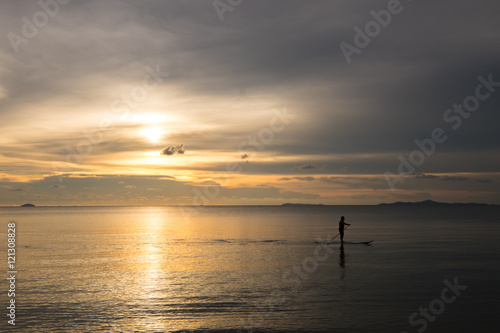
x: 342, y: 225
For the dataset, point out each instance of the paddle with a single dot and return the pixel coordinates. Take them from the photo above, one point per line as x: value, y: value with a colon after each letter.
x: 339, y: 233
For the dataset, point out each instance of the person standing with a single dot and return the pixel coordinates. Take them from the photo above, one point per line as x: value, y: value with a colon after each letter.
x: 342, y: 225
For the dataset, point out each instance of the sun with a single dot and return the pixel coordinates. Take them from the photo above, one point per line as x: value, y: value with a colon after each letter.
x: 152, y: 134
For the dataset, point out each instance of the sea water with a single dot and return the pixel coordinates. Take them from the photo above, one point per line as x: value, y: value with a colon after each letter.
x: 254, y: 269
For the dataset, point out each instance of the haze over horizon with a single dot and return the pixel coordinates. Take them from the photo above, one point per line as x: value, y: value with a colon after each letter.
x: 180, y: 102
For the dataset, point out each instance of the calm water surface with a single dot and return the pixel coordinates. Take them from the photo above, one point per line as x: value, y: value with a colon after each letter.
x: 253, y: 269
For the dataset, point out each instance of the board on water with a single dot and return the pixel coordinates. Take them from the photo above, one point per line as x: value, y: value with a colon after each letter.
x: 368, y: 242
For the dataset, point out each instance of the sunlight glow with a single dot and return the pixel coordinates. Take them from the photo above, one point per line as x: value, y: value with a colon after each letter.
x: 153, y: 134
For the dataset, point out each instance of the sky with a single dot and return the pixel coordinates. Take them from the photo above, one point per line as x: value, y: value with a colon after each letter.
x: 244, y: 102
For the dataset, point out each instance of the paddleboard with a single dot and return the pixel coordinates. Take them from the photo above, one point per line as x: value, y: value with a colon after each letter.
x: 368, y: 242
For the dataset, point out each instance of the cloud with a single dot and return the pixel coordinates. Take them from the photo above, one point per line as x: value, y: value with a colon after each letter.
x: 425, y: 176
x: 299, y: 178
x: 308, y: 166
x: 104, y: 189
x: 455, y: 178
x: 444, y: 178
x: 356, y: 182
x: 171, y: 150
x: 362, y: 115
x: 309, y: 179
x: 265, y: 192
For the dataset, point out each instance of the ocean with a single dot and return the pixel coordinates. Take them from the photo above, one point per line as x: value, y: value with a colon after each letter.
x: 253, y: 269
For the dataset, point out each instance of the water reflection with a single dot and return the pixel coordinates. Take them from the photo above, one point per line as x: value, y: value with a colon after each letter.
x: 342, y: 256
x: 149, y: 260
x: 342, y: 261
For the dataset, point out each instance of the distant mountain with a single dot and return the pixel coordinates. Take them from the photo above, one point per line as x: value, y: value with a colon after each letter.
x: 28, y: 205
x: 434, y: 203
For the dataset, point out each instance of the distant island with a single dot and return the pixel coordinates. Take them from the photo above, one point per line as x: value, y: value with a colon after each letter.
x: 434, y: 203
x: 300, y: 204
x: 28, y: 205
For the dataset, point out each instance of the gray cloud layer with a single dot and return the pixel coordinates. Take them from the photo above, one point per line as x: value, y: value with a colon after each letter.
x: 105, y: 189
x: 395, y: 90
